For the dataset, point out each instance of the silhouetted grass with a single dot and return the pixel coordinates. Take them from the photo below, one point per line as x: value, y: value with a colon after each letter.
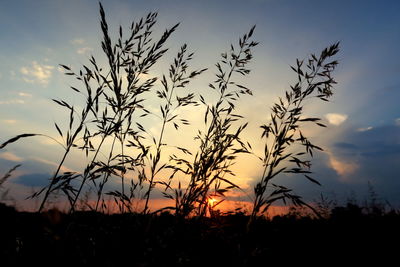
x: 115, y: 108
x: 284, y: 131
x: 3, y: 189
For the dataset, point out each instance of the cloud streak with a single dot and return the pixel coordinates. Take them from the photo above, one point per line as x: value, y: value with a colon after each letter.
x: 53, y: 164
x: 369, y: 128
x: 10, y: 157
x: 12, y: 102
x: 83, y: 50
x: 23, y: 94
x: 10, y: 121
x: 77, y: 41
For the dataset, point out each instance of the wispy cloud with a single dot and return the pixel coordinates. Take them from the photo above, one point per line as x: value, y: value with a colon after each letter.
x: 37, y: 73
x: 77, y: 41
x: 397, y: 121
x: 369, y: 128
x: 10, y: 157
x: 12, y: 102
x: 10, y: 121
x: 51, y: 163
x: 336, y: 118
x: 24, y: 94
x: 84, y: 50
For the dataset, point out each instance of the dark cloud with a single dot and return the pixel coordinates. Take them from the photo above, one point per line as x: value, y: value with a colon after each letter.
x: 5, y: 165
x: 375, y: 152
x: 33, y: 179
x: 377, y: 143
x: 37, y: 174
x: 347, y: 146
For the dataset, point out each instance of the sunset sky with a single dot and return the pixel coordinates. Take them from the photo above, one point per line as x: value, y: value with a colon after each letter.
x: 361, y: 143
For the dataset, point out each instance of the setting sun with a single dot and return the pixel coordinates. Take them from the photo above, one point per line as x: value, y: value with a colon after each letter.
x: 211, y: 202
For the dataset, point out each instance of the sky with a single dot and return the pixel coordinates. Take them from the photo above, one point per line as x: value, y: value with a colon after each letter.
x: 361, y: 143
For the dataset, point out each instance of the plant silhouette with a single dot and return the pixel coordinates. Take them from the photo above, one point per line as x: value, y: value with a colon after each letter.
x: 115, y: 111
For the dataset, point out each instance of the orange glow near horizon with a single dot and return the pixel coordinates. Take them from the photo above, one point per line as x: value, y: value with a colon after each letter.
x: 226, y: 206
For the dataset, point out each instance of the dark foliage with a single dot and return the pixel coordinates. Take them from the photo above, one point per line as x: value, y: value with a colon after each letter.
x: 96, y: 239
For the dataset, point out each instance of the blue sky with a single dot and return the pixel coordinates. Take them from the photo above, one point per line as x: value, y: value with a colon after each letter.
x: 362, y: 142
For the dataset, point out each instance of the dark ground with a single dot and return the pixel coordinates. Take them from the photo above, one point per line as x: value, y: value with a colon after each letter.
x: 94, y: 239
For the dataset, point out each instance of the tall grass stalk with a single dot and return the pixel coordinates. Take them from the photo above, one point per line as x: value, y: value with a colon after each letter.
x: 284, y: 131
x: 4, y: 192
x: 128, y: 59
x: 179, y: 78
x: 220, y: 143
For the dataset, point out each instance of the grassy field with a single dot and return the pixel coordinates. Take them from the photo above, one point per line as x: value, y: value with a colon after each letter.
x: 350, y: 233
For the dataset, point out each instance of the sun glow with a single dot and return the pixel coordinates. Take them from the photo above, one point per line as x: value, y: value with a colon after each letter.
x: 211, y: 202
